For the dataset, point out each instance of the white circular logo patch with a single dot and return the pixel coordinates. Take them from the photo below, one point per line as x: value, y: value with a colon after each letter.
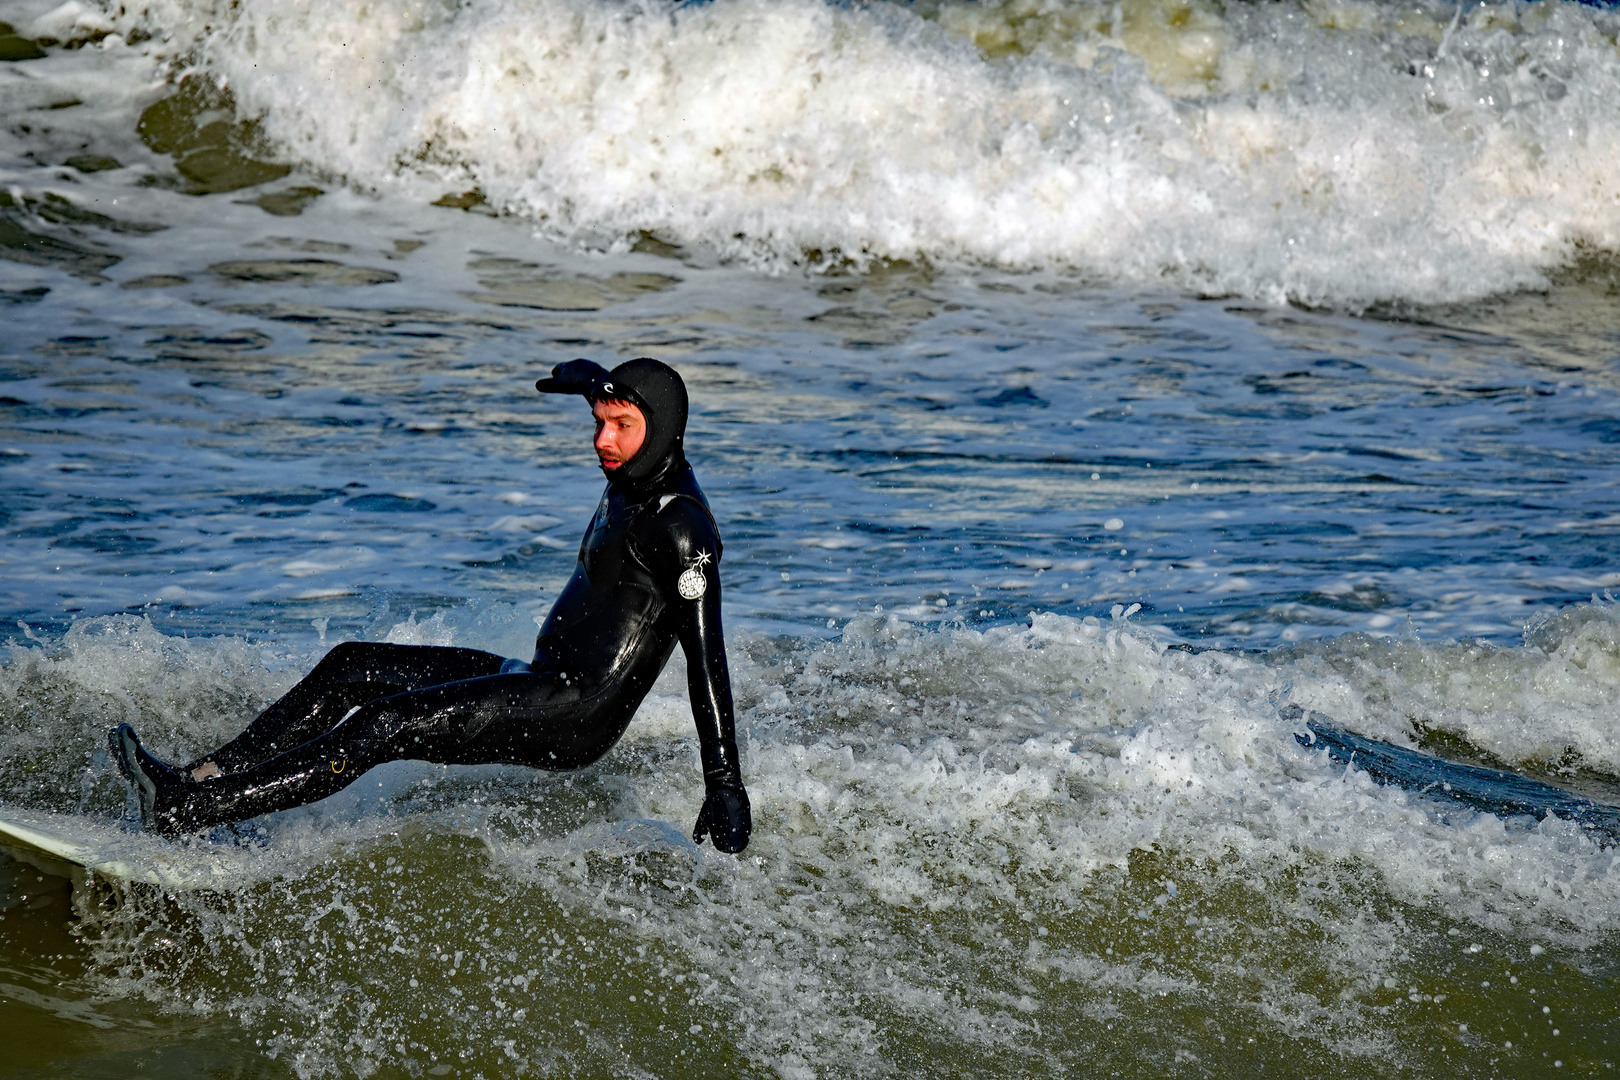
x: 692, y: 584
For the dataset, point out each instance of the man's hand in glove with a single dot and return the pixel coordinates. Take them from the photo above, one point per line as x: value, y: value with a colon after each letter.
x: 725, y: 818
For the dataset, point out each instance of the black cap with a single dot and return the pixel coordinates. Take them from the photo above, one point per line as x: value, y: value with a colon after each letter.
x: 651, y: 386
x: 574, y: 377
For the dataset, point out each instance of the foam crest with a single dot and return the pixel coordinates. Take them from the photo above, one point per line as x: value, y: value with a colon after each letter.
x: 1331, y: 152
x: 1173, y: 750
x: 1547, y: 704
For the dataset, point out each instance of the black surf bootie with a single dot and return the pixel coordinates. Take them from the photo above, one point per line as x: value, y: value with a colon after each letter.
x: 160, y: 790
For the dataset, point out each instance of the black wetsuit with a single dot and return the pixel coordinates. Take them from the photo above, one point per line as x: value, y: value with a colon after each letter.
x: 647, y: 577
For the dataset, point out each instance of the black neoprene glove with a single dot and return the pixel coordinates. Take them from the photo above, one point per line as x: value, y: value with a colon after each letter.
x: 574, y: 377
x: 725, y: 818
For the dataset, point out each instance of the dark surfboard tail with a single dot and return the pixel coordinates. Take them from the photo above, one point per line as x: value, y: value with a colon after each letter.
x: 1496, y: 791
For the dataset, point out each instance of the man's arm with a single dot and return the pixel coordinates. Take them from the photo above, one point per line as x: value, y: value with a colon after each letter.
x: 693, y: 553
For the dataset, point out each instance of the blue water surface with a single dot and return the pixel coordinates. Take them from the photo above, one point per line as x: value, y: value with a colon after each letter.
x: 248, y: 455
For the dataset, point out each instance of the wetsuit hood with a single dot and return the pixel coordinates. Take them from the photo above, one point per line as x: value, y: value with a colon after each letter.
x: 651, y: 386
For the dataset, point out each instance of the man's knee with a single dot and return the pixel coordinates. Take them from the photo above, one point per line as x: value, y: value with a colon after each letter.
x: 343, y: 653
x: 354, y: 660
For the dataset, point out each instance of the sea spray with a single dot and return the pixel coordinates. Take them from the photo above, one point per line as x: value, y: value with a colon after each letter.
x: 989, y: 846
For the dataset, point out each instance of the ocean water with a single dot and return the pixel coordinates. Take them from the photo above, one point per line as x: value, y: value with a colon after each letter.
x: 1078, y: 386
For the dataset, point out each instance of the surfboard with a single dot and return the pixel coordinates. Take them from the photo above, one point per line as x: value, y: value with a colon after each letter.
x: 1497, y: 791
x: 105, y: 849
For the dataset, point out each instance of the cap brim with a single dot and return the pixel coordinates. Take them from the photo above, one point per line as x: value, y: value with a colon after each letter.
x: 578, y: 376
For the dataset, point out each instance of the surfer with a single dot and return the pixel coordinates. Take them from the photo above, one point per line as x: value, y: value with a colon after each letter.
x: 648, y: 577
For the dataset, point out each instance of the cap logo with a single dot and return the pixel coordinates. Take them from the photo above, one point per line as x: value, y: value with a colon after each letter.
x: 607, y: 388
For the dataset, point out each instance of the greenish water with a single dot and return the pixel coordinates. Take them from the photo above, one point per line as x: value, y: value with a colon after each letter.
x: 340, y: 960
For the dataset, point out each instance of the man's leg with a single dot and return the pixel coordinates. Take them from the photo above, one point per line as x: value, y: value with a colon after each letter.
x: 441, y: 723
x: 382, y: 730
x: 533, y: 718
x: 352, y: 674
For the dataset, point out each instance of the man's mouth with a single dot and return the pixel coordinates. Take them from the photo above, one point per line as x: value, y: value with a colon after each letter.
x: 610, y: 463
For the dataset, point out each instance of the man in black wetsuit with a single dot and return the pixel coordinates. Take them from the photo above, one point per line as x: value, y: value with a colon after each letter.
x: 647, y: 576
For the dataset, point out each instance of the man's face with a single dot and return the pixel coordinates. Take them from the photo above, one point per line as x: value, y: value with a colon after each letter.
x: 620, y: 430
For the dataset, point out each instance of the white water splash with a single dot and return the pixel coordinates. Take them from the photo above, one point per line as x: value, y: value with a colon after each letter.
x: 1325, y: 152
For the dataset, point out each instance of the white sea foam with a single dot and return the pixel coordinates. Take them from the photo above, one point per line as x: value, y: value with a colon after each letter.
x: 980, y: 837
x: 1333, y: 151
